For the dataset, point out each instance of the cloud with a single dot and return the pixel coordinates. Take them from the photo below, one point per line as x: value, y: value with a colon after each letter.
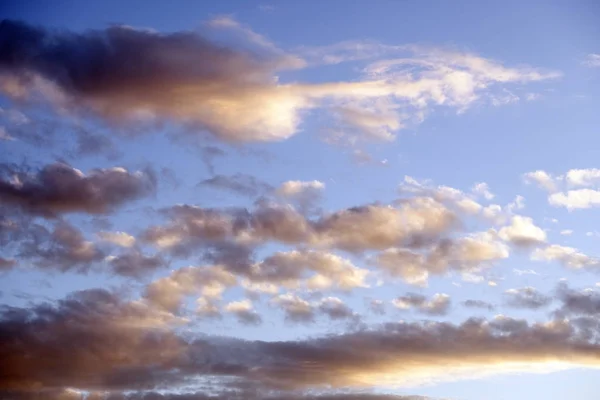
x: 377, y: 307
x: 583, y: 177
x: 567, y: 256
x: 438, y: 305
x: 290, y: 269
x: 542, y: 179
x: 92, y: 339
x: 583, y: 302
x: 135, y: 264
x: 63, y: 249
x: 464, y: 254
x: 234, y: 91
x: 296, y: 309
x: 482, y: 189
x: 180, y: 76
x: 59, y: 188
x: 478, y: 304
x: 592, y: 60
x: 168, y: 293
x: 242, y: 184
x: 521, y: 272
x: 304, y: 193
x: 112, y: 338
x: 122, y: 239
x: 575, y: 199
x: 335, y: 308
x: 413, y: 223
x: 244, y: 312
x: 566, y: 232
x: 527, y: 297
x: 522, y: 232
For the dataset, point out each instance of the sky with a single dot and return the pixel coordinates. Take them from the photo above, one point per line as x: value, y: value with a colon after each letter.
x: 391, y: 200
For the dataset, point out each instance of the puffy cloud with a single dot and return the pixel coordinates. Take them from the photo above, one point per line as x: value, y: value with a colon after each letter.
x: 244, y: 312
x: 522, y: 232
x: 290, y: 269
x: 64, y: 248
x: 414, y: 223
x: 59, y: 188
x: 243, y: 184
x: 568, y: 256
x: 575, y: 199
x: 299, y: 310
x: 578, y: 302
x: 168, y: 293
x: 527, y: 297
x: 234, y: 92
x: 304, y: 193
x: 438, y: 305
x: 482, y: 189
x: 122, y: 239
x: 296, y: 309
x: 583, y: 177
x: 335, y: 308
x: 570, y: 199
x: 465, y: 254
x: 543, y: 179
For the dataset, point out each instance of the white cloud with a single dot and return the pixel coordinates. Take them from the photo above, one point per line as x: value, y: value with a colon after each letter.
x: 522, y: 232
x: 542, y: 179
x: 566, y: 232
x: 482, y: 189
x: 583, y: 177
x: 592, y: 60
x: 568, y: 256
x: 575, y: 199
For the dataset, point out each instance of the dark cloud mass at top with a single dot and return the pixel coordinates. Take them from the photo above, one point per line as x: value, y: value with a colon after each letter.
x: 126, y: 75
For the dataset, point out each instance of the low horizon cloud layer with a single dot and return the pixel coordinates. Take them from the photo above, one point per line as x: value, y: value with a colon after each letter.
x: 160, y: 240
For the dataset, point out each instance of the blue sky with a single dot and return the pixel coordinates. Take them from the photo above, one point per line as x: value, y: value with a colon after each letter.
x: 307, y: 174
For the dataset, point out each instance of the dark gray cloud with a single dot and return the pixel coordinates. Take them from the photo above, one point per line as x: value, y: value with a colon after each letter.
x: 93, y: 340
x: 527, y: 297
x: 135, y: 264
x: 242, y: 184
x: 59, y: 188
x: 64, y: 248
x: 478, y: 304
x: 123, y: 74
x: 335, y: 309
x: 578, y: 302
